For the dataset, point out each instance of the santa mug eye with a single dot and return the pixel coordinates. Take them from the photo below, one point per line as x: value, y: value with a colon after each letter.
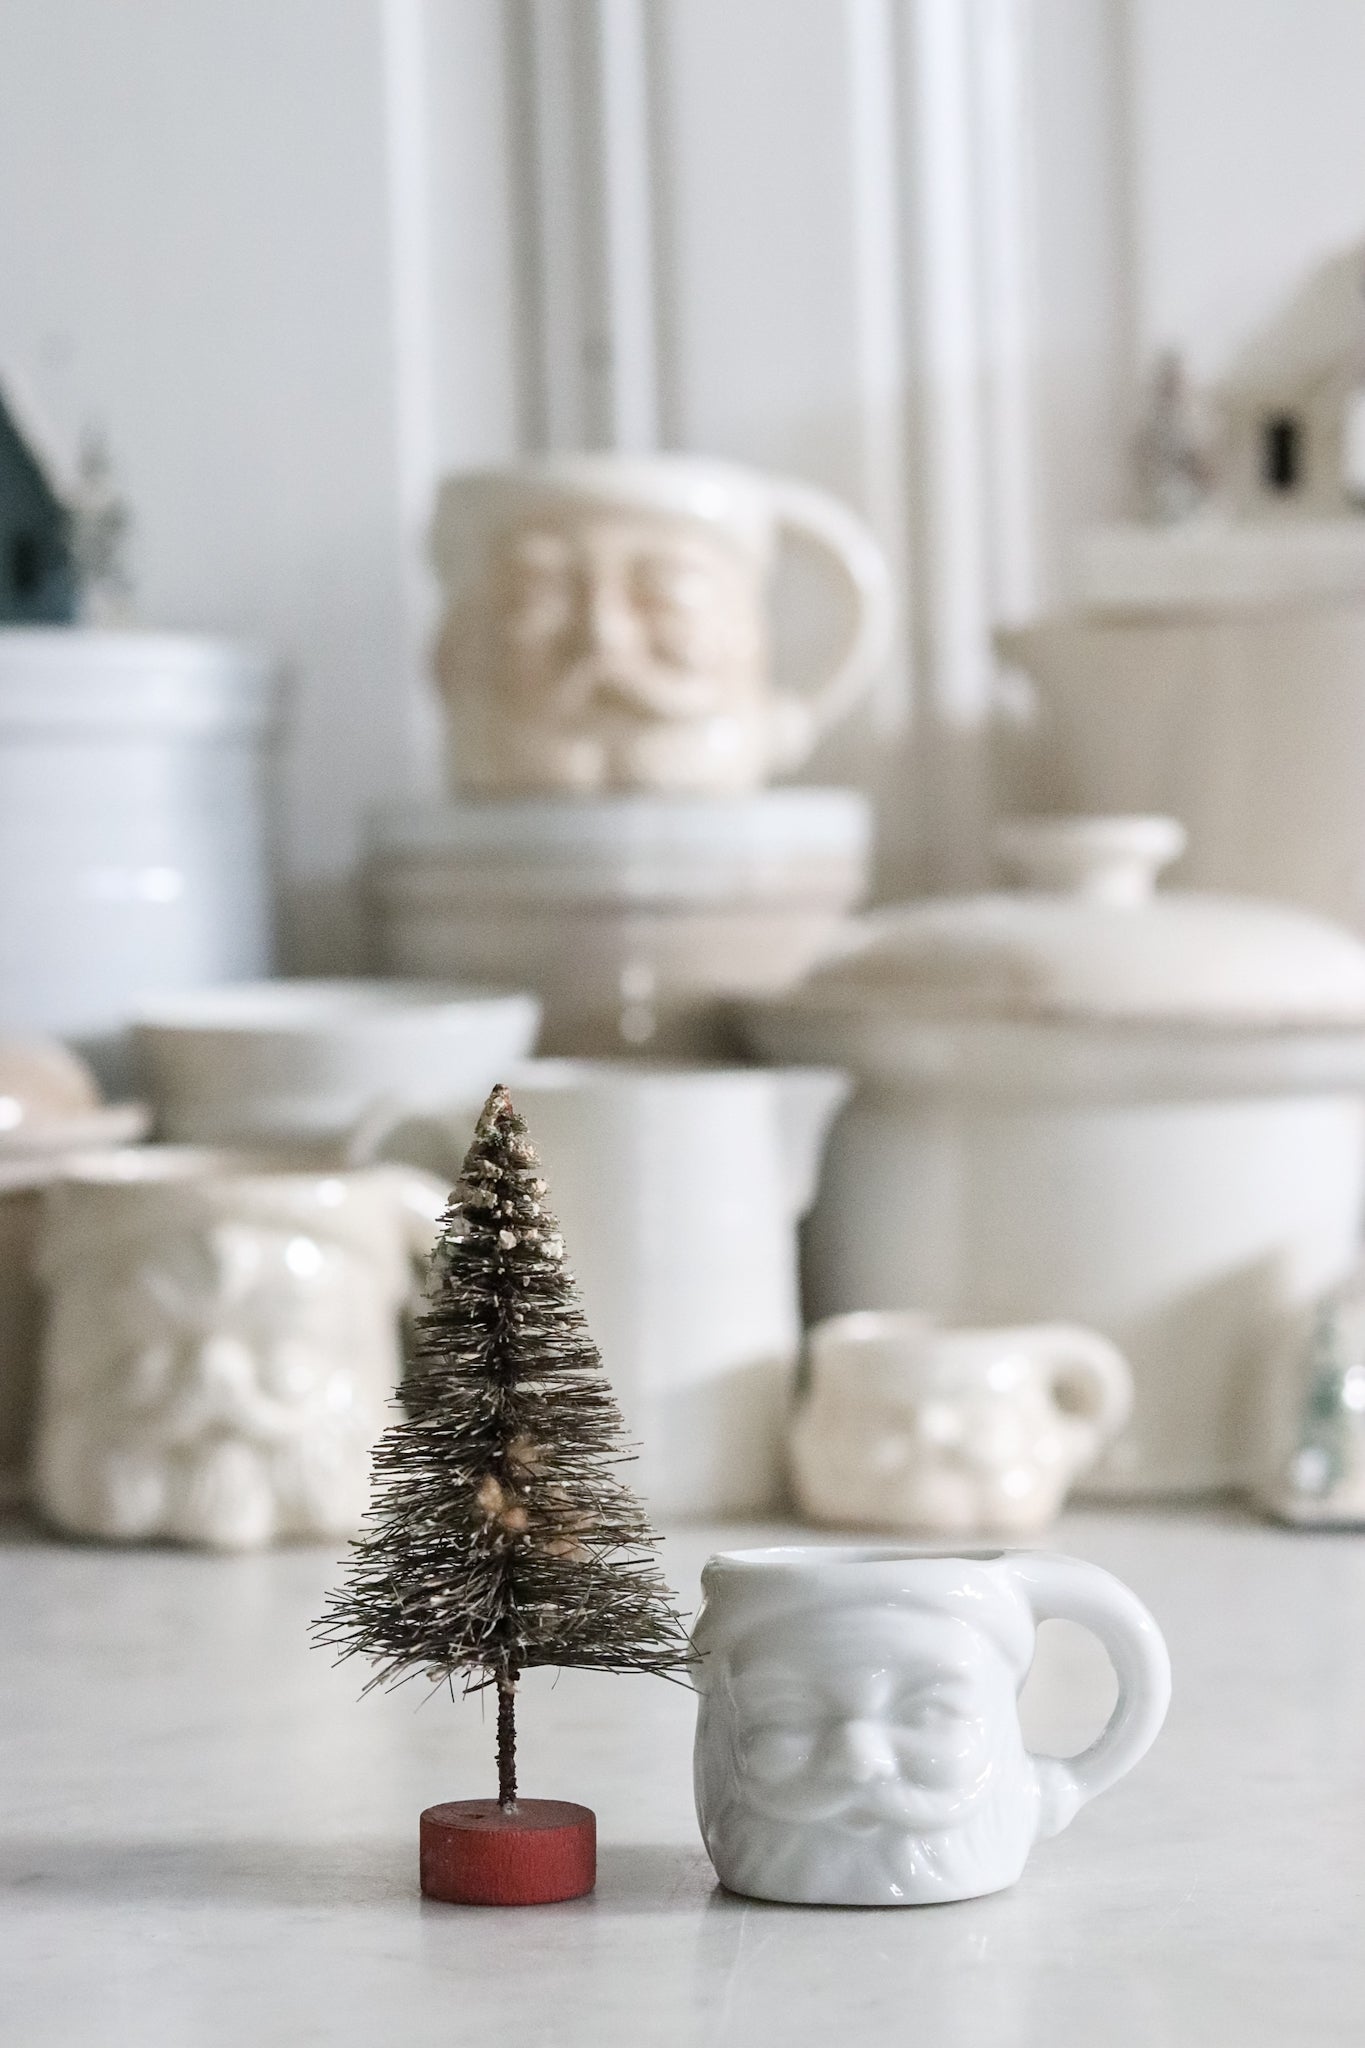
x: 922, y: 1711
x: 774, y: 1753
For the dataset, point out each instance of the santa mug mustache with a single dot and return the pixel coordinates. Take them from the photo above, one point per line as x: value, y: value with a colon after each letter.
x: 858, y: 1737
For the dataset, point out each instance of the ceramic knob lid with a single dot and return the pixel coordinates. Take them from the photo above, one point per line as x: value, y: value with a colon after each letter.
x: 1091, y: 936
x: 1104, y: 860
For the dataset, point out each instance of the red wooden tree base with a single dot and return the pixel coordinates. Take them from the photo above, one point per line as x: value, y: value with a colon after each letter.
x: 475, y: 1854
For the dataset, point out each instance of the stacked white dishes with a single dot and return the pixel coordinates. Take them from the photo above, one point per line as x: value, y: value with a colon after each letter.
x: 132, y: 823
x: 633, y: 916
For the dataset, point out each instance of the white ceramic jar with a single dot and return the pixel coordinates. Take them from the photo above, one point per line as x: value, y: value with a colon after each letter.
x: 1086, y: 1101
x: 632, y: 917
x: 133, y: 832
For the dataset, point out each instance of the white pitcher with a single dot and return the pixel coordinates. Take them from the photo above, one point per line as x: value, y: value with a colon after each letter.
x: 607, y: 623
x: 678, y: 1191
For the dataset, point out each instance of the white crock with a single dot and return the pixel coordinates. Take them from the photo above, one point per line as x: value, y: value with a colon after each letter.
x: 133, y: 829
x: 1086, y: 1101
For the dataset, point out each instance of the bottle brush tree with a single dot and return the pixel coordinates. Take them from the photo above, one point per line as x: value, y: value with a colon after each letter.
x: 500, y: 1533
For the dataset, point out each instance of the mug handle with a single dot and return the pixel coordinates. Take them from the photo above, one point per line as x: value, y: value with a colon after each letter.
x: 1082, y: 1361
x: 1067, y: 1589
x: 422, y: 1200
x: 843, y: 538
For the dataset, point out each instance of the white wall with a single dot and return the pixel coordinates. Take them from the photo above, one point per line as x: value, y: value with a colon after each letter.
x: 1248, y: 160
x: 299, y: 256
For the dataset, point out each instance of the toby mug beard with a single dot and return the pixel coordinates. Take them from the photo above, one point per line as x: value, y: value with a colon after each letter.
x: 858, y: 1737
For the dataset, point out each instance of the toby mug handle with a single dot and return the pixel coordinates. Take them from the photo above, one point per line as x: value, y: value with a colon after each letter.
x: 1066, y: 1589
x: 812, y: 515
x: 1088, y: 1376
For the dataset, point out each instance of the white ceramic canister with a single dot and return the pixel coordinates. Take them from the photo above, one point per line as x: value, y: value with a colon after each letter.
x: 304, y: 1061
x: 608, y: 623
x: 133, y: 826
x: 678, y: 1191
x: 632, y: 917
x: 1088, y: 1101
x: 906, y: 1425
x: 223, y: 1340
x: 858, y: 1739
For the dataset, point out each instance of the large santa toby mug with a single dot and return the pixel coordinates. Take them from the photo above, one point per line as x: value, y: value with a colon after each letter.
x: 607, y: 623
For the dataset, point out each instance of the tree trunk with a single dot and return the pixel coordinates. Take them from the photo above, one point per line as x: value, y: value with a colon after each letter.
x: 507, y: 1740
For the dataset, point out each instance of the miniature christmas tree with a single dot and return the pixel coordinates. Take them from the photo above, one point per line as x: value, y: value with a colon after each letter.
x: 501, y: 1535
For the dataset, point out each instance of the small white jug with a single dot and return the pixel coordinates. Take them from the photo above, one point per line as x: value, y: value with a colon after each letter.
x: 858, y: 1738
x: 607, y: 623
x: 222, y: 1342
x: 913, y: 1427
x: 678, y: 1190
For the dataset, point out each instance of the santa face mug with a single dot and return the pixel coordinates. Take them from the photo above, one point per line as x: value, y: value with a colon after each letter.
x: 222, y: 1342
x: 858, y: 1738
x: 920, y: 1429
x: 607, y: 623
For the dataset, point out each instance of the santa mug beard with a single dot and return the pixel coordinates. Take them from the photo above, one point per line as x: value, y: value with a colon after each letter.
x: 858, y: 1737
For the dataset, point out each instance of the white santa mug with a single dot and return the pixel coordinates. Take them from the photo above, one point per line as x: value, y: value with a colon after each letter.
x: 858, y: 1738
x: 607, y: 623
x: 223, y: 1340
x: 910, y: 1426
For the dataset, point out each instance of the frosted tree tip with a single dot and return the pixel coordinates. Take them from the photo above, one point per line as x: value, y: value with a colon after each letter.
x: 498, y: 1111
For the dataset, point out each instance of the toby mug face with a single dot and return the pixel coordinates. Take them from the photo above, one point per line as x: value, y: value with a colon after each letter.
x: 612, y: 650
x: 858, y: 1738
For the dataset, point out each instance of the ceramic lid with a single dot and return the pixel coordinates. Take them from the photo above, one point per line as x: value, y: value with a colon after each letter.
x: 1090, y: 938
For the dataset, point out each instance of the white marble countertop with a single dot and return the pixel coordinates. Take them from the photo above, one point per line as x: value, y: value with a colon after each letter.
x: 206, y: 1839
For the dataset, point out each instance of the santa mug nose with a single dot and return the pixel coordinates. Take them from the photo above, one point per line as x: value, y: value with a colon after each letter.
x: 861, y: 1749
x: 608, y: 624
